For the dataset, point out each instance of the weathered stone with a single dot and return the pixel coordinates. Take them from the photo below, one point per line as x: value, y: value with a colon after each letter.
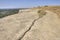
x: 46, y: 28
x: 29, y: 26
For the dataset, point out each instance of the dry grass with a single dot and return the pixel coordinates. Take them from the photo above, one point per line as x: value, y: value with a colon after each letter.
x: 41, y: 13
x: 55, y: 9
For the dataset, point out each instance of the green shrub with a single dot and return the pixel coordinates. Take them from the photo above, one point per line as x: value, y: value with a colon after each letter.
x: 8, y: 12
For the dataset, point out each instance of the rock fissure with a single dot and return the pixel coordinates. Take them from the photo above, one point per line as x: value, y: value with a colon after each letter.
x: 28, y: 29
x: 31, y: 25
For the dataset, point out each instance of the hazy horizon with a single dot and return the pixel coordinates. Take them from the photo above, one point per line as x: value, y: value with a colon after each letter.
x: 26, y: 3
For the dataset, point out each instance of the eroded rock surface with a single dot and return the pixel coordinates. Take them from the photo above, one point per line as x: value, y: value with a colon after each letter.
x: 46, y: 28
x: 14, y: 26
x: 27, y: 25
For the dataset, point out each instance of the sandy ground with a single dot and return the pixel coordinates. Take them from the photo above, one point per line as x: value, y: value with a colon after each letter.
x: 28, y: 26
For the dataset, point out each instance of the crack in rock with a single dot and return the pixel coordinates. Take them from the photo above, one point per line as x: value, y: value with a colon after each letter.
x: 32, y: 25
x: 28, y: 29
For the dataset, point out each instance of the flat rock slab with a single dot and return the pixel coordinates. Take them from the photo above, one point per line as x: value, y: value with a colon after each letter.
x: 14, y: 26
x: 46, y: 28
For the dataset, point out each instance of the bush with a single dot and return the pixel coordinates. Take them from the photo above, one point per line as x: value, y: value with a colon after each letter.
x: 41, y: 13
x: 38, y: 6
x: 46, y: 5
x: 8, y: 12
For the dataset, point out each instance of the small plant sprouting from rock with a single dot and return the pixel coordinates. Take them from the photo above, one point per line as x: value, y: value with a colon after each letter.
x: 41, y: 13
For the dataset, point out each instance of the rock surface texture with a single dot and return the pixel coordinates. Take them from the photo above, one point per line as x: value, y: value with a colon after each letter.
x: 27, y: 25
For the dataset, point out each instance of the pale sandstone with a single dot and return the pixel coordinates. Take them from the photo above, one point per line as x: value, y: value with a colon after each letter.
x: 12, y: 27
x: 45, y: 28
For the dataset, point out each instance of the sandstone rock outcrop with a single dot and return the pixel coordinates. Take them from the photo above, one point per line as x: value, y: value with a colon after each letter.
x: 28, y: 26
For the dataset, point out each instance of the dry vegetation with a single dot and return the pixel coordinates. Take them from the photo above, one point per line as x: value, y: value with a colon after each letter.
x: 41, y: 10
x: 41, y: 13
x: 55, y: 9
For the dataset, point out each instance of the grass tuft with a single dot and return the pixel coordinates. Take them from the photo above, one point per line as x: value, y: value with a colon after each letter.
x: 41, y: 13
